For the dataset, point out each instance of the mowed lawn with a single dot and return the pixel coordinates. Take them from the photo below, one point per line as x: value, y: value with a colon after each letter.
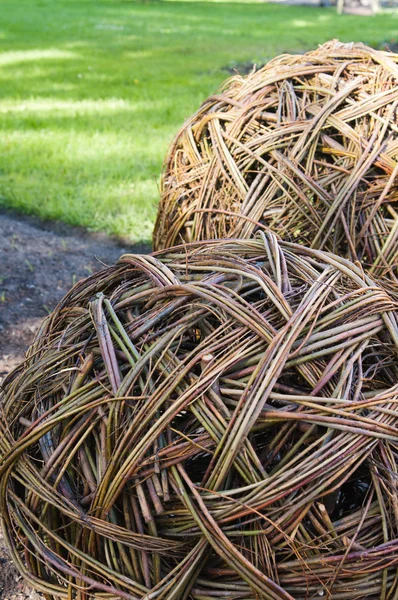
x: 92, y: 92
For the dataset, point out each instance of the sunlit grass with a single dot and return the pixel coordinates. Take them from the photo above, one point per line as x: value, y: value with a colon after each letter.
x: 92, y: 92
x: 22, y: 56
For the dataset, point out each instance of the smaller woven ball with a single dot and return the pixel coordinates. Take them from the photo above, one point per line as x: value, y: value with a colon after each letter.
x: 218, y: 420
x: 307, y: 146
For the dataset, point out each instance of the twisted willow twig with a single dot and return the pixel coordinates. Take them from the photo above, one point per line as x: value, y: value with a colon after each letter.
x: 307, y: 145
x: 215, y: 421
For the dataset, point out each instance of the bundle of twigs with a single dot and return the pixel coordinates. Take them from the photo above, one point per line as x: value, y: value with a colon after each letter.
x: 214, y: 421
x: 307, y: 145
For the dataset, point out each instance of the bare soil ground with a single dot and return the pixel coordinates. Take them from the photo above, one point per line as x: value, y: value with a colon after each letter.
x: 12, y: 586
x: 39, y: 263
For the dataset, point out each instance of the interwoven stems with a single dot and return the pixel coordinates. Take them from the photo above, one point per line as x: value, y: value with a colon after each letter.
x: 307, y: 145
x: 214, y: 421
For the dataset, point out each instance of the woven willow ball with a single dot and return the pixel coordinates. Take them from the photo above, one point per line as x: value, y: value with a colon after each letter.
x: 307, y: 145
x: 215, y: 421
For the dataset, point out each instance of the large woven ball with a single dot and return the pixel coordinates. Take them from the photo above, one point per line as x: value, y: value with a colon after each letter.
x: 215, y: 421
x: 307, y: 145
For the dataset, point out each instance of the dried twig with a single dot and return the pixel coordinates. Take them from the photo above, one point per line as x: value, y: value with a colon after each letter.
x: 219, y: 420
x: 307, y: 146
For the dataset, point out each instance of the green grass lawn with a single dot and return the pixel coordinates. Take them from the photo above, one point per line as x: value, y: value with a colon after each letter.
x: 92, y: 92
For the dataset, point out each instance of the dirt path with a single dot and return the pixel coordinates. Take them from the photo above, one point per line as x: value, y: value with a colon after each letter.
x: 39, y: 262
x: 12, y: 586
